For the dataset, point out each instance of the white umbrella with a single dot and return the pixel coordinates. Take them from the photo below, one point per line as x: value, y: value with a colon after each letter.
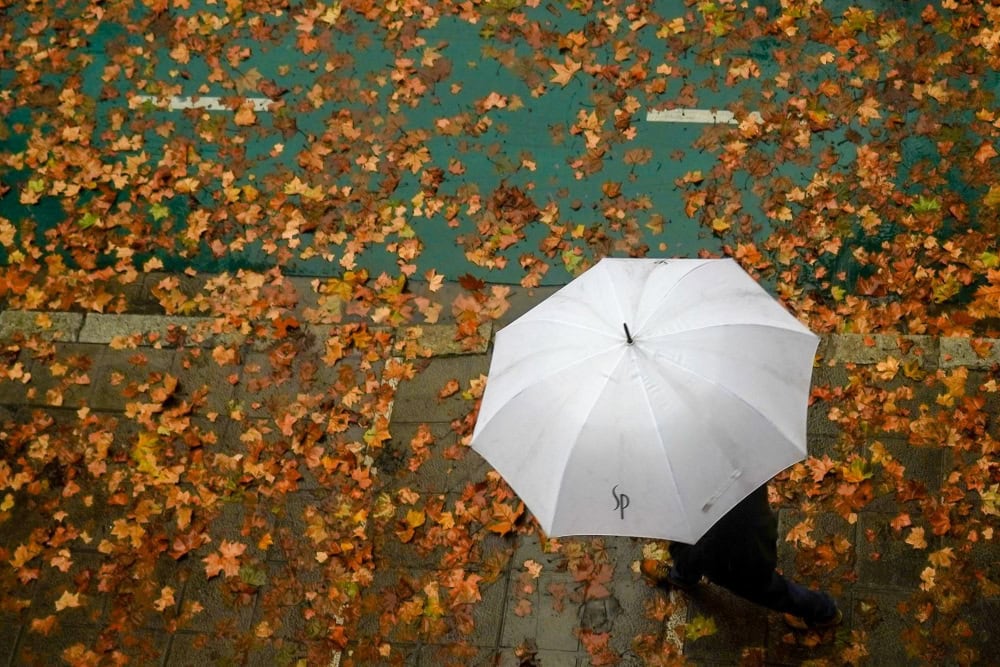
x: 646, y: 398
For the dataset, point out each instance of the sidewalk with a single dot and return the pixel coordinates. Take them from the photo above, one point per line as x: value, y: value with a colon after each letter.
x: 452, y: 582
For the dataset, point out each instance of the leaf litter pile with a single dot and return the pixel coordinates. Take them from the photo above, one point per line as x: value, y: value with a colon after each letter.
x: 402, y: 144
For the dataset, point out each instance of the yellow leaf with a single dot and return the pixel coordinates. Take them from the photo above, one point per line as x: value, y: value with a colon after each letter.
x: 700, y: 626
x: 916, y: 539
x: 415, y: 518
x: 245, y: 115
x: 942, y: 557
x: 68, y: 601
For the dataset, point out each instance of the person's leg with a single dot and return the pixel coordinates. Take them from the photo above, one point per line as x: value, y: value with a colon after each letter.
x: 783, y: 595
x: 686, y: 571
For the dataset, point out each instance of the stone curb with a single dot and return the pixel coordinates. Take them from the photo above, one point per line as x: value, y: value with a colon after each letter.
x: 438, y: 339
x: 154, y: 330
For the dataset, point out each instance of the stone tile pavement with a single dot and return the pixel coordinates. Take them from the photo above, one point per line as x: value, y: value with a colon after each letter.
x: 579, y: 604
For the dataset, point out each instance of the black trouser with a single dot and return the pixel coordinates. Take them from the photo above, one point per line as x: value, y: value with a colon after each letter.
x: 755, y: 580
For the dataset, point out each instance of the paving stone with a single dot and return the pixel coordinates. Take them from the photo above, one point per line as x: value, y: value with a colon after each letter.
x: 457, y: 655
x: 19, y: 365
x: 522, y: 300
x: 633, y: 595
x: 153, y: 330
x: 873, y: 348
x: 924, y: 472
x: 56, y: 385
x: 551, y: 625
x: 201, y: 377
x: 884, y: 558
x: 786, y: 646
x: 399, y: 654
x: 957, y: 352
x: 982, y: 616
x: 802, y: 564
x: 37, y: 650
x: 223, y: 612
x: 118, y: 376
x: 277, y: 652
x: 544, y: 658
x: 529, y: 547
x: 740, y: 624
x: 417, y: 399
x: 10, y: 631
x: 46, y: 325
x: 437, y: 473
x: 876, y: 613
x: 197, y: 649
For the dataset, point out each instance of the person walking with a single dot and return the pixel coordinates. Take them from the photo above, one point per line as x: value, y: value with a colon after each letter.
x: 740, y: 553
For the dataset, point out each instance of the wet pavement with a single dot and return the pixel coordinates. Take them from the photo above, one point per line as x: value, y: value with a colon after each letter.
x: 573, y: 602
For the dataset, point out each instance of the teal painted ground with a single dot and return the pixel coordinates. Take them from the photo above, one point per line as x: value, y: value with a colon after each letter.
x: 354, y: 73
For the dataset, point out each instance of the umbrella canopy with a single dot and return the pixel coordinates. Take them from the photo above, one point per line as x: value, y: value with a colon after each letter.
x: 646, y: 398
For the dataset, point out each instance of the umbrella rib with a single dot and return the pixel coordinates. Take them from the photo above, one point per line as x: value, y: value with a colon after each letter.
x: 726, y: 390
x: 666, y: 456
x: 663, y: 298
x: 724, y: 325
x: 562, y: 474
x: 565, y: 323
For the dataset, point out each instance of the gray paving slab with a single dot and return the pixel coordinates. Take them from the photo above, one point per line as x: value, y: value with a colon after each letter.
x: 875, y: 612
x: 885, y: 559
x: 877, y: 573
x: 62, y: 326
x: 146, y: 330
x: 38, y: 650
x: 739, y: 625
x: 10, y: 632
x: 418, y: 400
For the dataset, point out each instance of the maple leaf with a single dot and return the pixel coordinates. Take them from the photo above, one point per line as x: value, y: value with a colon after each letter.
x: 44, y: 626
x: 225, y: 560
x: 700, y: 626
x: 68, y: 601
x: 166, y: 599
x: 916, y: 538
x: 523, y: 607
x: 450, y: 388
x: 564, y: 72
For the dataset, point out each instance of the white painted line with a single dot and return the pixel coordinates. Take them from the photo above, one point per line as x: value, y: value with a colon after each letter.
x: 710, y: 116
x: 209, y: 103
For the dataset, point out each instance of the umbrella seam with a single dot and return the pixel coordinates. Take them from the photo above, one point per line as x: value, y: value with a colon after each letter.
x: 729, y: 392
x: 560, y: 322
x: 666, y: 453
x: 680, y: 279
x: 565, y: 466
x: 747, y: 325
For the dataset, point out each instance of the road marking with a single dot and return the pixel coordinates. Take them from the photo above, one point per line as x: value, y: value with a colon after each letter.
x: 710, y: 116
x: 207, y: 102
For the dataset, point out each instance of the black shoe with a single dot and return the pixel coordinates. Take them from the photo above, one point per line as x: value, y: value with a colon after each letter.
x: 666, y: 576
x: 681, y: 583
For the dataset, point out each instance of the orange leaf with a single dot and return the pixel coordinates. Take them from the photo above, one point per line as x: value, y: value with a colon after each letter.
x: 43, y: 626
x: 225, y: 560
x: 523, y: 607
x: 450, y: 389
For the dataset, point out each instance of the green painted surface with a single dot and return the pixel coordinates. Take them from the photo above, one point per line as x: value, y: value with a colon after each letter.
x: 354, y: 79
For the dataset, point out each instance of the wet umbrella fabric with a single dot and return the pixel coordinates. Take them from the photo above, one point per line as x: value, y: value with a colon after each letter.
x: 646, y: 398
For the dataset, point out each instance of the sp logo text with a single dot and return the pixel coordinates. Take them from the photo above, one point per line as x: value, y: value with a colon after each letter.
x: 621, y: 501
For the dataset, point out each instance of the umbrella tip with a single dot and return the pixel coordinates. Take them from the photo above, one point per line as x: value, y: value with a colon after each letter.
x: 628, y: 335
